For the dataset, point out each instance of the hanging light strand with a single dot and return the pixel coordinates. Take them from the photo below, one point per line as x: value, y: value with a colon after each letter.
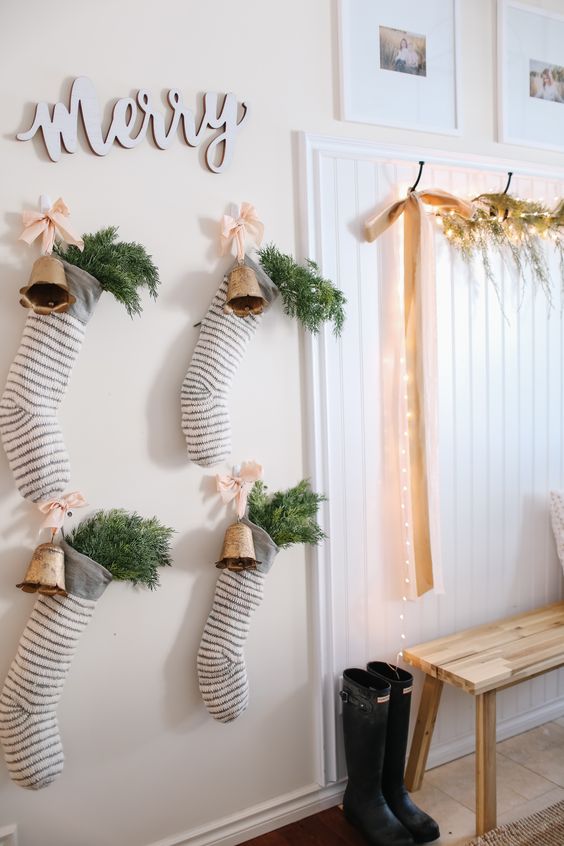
x: 405, y: 511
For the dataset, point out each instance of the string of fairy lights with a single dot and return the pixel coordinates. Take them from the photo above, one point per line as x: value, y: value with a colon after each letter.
x: 404, y: 478
x: 404, y: 502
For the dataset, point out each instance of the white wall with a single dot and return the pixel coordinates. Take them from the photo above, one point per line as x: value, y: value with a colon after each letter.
x: 144, y: 761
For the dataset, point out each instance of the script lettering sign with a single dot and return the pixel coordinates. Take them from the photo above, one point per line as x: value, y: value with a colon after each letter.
x: 132, y: 119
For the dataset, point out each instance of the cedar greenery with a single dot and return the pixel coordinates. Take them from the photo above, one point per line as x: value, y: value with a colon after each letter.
x: 289, y: 517
x: 130, y: 547
x: 120, y: 267
x: 516, y: 229
x: 305, y: 293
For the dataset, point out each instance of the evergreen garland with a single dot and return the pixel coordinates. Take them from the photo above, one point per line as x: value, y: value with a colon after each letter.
x: 119, y: 266
x: 515, y: 228
x: 289, y: 517
x: 130, y: 547
x: 305, y: 293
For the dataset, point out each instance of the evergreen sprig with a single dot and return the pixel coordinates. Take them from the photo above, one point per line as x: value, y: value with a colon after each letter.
x: 130, y: 547
x: 290, y: 516
x: 517, y: 229
x: 120, y: 267
x: 305, y: 293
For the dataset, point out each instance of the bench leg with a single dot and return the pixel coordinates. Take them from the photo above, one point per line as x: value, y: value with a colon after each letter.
x: 423, y: 733
x: 486, y: 810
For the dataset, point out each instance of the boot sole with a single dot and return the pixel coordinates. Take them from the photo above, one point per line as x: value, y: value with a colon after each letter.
x: 350, y: 818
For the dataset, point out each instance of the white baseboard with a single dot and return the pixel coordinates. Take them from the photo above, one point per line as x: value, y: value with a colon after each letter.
x: 9, y: 835
x: 260, y: 819
x: 441, y: 753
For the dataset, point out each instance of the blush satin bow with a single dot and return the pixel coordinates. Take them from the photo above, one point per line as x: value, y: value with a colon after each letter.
x: 56, y: 509
x: 238, y: 487
x: 246, y: 224
x: 47, y: 224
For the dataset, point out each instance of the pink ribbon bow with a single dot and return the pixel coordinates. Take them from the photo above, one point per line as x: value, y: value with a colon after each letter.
x: 247, y: 224
x: 238, y: 487
x: 56, y: 509
x: 47, y: 224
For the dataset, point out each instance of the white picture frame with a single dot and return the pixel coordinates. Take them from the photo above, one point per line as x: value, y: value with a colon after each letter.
x: 530, y: 42
x: 382, y: 82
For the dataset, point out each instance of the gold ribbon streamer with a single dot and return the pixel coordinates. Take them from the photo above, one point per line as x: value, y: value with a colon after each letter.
x: 417, y: 245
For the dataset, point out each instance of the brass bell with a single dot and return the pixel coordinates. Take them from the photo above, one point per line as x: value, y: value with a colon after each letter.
x: 47, y: 289
x: 238, y: 551
x: 244, y: 295
x: 46, y: 572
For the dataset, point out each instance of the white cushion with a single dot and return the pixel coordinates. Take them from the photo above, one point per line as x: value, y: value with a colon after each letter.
x: 557, y: 514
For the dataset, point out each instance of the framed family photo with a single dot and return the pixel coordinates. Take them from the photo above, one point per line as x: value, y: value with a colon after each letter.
x: 399, y: 63
x: 530, y: 76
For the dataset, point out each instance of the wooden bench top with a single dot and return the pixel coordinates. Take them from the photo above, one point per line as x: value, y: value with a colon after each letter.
x: 498, y: 654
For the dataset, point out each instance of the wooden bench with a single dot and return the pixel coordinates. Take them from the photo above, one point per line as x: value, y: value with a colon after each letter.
x: 482, y: 661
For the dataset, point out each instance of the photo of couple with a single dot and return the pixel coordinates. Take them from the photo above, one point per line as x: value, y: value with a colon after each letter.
x: 546, y: 81
x: 403, y: 52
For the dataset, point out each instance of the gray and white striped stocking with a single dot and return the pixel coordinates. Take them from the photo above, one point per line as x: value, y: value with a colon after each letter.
x: 37, y: 381
x: 221, y: 345
x: 29, y: 730
x: 222, y: 673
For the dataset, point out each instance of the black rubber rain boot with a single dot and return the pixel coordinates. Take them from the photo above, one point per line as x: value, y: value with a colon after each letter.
x: 423, y: 828
x: 365, y: 713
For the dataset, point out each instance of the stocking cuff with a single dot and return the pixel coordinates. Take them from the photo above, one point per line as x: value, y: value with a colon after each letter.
x: 85, y: 288
x: 267, y: 286
x: 84, y: 577
x: 265, y: 548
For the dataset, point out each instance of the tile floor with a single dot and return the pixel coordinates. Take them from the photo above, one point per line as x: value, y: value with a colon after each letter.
x: 530, y: 777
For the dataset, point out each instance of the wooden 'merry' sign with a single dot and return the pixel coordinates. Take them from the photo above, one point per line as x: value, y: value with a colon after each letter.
x: 132, y: 119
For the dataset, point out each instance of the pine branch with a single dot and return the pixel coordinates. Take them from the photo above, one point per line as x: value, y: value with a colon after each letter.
x: 305, y: 293
x: 130, y: 547
x: 289, y: 517
x: 120, y: 267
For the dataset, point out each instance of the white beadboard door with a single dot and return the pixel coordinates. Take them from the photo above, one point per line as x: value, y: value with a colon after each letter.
x: 501, y: 413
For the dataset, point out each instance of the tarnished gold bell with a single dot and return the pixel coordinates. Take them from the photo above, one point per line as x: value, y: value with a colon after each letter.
x: 238, y: 551
x: 244, y: 295
x: 47, y: 290
x: 46, y: 572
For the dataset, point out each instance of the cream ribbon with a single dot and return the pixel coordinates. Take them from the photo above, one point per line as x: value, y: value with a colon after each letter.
x: 47, y: 224
x: 237, y: 487
x: 56, y: 509
x: 238, y: 229
x: 420, y: 336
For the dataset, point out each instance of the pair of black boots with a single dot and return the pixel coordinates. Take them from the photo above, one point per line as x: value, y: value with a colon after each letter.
x: 376, y: 706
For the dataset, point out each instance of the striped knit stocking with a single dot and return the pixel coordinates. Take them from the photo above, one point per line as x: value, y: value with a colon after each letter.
x: 221, y: 662
x: 29, y: 731
x: 221, y: 345
x: 36, y: 385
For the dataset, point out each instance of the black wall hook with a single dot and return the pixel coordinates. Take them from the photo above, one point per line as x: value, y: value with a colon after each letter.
x: 509, y: 177
x: 416, y: 183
